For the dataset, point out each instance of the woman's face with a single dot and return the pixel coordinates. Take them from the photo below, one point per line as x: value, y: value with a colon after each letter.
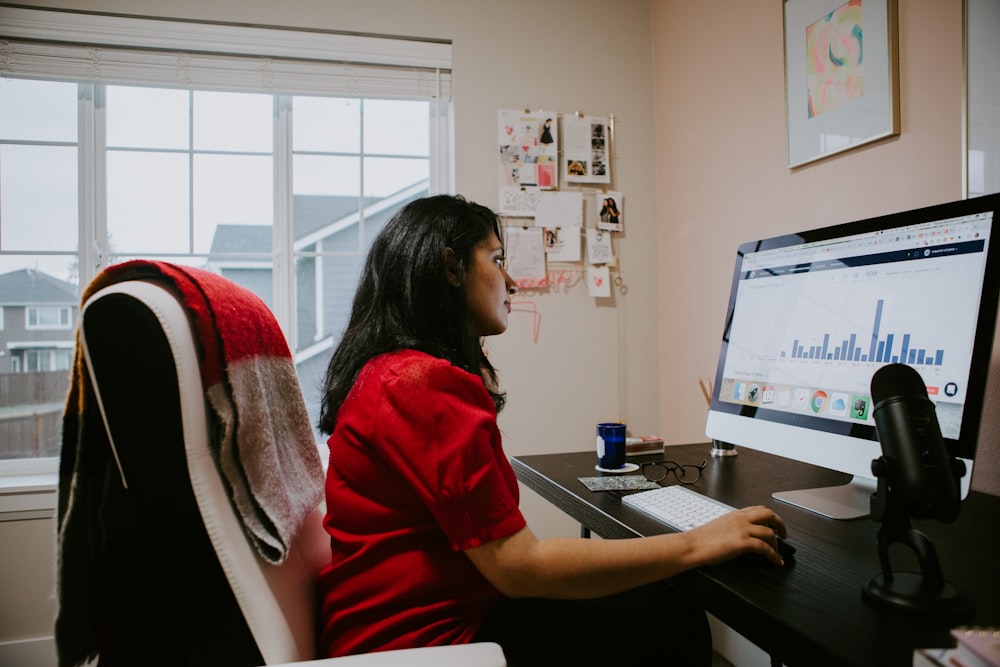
x: 488, y: 288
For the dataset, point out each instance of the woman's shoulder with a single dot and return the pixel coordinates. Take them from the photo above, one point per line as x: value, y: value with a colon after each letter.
x: 419, y: 384
x: 416, y: 369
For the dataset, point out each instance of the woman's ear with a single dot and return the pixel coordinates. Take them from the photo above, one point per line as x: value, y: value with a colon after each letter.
x: 452, y: 267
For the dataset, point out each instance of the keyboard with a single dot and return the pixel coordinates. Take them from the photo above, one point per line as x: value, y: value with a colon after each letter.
x: 682, y: 509
x: 677, y: 506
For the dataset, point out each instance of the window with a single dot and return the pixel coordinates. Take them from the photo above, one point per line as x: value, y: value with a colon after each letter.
x: 41, y: 361
x: 49, y: 317
x: 274, y: 167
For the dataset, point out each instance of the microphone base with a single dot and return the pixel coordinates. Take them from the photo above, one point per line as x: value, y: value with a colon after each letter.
x: 911, y: 591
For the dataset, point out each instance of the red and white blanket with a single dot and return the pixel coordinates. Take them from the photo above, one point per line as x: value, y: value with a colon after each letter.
x: 263, y: 442
x: 266, y: 448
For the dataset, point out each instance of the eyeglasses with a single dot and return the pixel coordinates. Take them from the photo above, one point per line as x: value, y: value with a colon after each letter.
x: 657, y: 471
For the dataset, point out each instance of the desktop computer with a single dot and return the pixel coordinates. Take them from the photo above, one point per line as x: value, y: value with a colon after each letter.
x: 812, y: 316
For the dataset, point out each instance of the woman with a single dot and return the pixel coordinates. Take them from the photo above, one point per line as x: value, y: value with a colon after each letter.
x: 428, y: 544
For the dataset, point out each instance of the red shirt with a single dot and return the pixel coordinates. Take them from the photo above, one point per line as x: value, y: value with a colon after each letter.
x: 417, y: 474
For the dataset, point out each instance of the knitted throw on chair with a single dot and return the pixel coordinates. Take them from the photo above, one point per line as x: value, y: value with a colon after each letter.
x: 264, y: 444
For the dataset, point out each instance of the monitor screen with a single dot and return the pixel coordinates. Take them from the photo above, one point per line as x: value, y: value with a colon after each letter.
x: 813, y: 315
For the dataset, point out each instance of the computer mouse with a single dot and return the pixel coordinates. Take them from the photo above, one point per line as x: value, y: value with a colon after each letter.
x: 786, y: 550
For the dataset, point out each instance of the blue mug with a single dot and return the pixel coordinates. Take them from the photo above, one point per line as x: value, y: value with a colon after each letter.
x: 611, y: 445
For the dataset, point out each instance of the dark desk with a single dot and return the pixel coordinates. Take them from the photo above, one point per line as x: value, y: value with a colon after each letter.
x: 811, y: 612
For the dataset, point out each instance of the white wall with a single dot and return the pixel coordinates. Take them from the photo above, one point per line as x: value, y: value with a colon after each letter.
x: 27, y: 592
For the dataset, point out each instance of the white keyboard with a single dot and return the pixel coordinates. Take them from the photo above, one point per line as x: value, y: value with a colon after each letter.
x: 677, y: 506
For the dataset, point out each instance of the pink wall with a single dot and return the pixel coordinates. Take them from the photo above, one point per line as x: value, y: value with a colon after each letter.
x: 722, y: 175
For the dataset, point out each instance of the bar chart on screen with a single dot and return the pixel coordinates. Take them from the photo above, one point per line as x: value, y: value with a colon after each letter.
x: 834, y: 327
x: 892, y: 348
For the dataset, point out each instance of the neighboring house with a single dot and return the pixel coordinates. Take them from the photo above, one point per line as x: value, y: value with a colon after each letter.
x: 324, y: 286
x: 37, y: 318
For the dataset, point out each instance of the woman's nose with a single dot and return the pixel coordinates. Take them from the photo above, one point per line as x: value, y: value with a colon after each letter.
x: 511, y: 285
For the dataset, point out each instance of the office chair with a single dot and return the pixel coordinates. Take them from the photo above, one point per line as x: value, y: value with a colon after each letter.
x: 178, y: 581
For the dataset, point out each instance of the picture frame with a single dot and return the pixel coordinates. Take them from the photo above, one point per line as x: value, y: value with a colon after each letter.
x: 835, y: 100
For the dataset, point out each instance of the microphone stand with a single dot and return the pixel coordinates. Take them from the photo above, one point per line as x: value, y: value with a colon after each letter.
x: 925, y: 591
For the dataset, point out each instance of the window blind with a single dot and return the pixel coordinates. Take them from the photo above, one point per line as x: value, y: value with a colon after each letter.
x: 55, y: 44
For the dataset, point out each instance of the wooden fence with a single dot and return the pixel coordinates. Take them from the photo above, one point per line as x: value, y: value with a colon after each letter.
x: 31, y: 406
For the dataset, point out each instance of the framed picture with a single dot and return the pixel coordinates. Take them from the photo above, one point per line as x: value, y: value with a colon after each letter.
x: 836, y: 99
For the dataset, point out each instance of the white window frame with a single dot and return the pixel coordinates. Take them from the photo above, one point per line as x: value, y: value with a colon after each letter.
x: 115, y: 49
x: 65, y: 318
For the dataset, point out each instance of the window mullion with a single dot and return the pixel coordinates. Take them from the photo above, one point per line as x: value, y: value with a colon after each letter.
x: 92, y: 243
x: 442, y: 175
x: 100, y: 162
x: 191, y: 173
x: 361, y: 170
x: 283, y: 234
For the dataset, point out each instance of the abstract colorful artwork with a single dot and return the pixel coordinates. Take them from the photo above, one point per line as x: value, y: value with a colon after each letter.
x: 841, y: 75
x: 834, y: 59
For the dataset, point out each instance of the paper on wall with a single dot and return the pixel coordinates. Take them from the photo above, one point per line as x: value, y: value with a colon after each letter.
x: 585, y: 150
x: 599, y: 281
x: 518, y: 202
x: 559, y: 209
x: 598, y: 246
x: 529, y: 146
x: 562, y: 244
x: 525, y: 254
x: 610, y: 207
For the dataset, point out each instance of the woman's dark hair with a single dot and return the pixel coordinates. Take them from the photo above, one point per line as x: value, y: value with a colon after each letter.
x: 404, y: 299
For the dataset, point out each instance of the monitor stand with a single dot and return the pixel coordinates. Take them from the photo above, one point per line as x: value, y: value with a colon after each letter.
x: 849, y: 501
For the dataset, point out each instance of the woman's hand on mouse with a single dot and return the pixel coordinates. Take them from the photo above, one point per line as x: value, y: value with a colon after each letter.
x: 750, y: 530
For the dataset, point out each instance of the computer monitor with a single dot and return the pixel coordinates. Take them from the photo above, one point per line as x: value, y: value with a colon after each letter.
x: 813, y: 315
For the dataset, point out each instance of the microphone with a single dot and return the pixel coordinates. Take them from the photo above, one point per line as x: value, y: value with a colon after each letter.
x: 916, y: 480
x: 923, y: 478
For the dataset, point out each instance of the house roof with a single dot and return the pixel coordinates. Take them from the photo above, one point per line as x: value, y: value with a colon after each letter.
x: 242, y: 238
x: 314, y: 212
x: 30, y: 286
x: 311, y: 213
x: 314, y: 215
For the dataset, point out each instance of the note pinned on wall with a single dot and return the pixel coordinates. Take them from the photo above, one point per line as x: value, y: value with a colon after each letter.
x: 599, y: 246
x: 599, y: 281
x: 525, y: 254
x: 562, y: 244
x: 519, y: 202
x: 559, y: 209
